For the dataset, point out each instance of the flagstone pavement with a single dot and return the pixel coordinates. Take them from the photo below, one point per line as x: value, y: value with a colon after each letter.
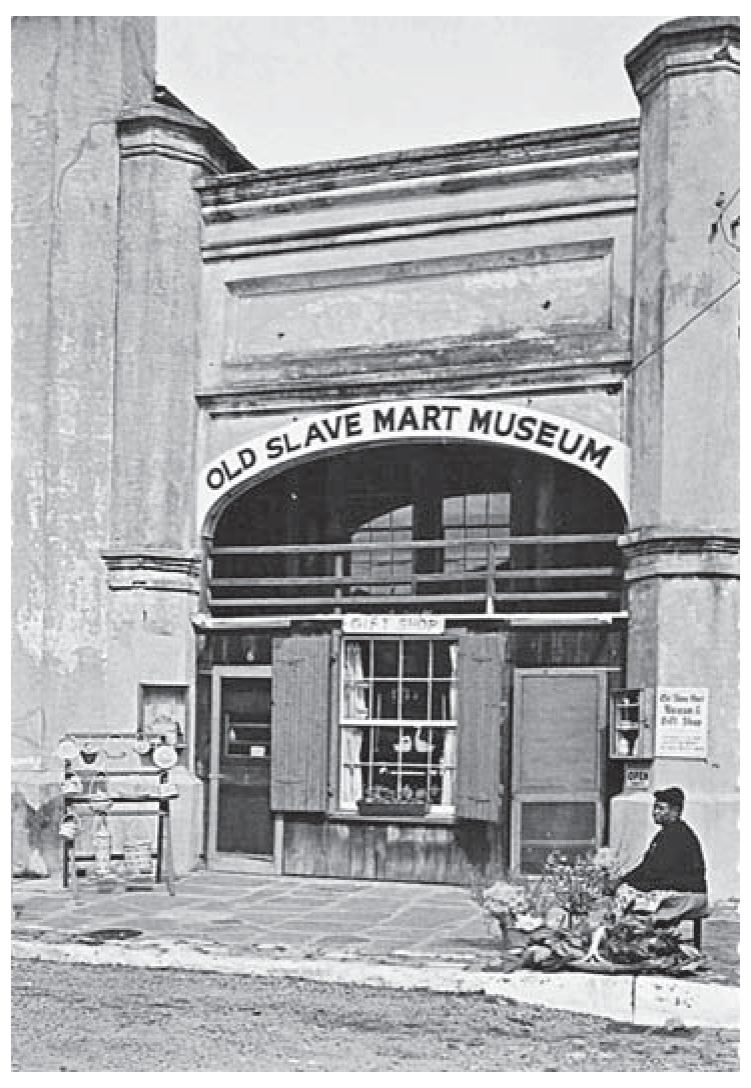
x: 266, y: 914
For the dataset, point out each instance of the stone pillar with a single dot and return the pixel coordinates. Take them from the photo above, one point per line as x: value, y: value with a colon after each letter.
x: 153, y: 556
x: 681, y: 551
x: 72, y: 77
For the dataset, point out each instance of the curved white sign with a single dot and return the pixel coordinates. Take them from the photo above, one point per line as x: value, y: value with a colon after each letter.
x: 437, y: 419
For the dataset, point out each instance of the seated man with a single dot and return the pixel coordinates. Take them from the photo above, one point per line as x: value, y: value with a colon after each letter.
x: 669, y: 883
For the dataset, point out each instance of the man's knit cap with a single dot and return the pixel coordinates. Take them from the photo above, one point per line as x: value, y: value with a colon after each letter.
x: 673, y: 796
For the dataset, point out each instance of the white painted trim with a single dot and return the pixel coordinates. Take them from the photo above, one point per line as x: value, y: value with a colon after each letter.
x: 443, y: 419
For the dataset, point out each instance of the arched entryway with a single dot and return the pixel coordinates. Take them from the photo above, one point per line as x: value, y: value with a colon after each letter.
x: 377, y: 617
x: 447, y: 527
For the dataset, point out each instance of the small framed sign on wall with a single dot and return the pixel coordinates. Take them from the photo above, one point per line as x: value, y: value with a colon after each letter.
x: 682, y: 723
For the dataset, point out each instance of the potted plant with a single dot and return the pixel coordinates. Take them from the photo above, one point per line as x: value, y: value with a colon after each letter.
x: 567, y: 894
x: 516, y: 909
x: 581, y: 885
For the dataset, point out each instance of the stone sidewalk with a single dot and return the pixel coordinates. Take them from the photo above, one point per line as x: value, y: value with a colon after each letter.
x: 405, y: 935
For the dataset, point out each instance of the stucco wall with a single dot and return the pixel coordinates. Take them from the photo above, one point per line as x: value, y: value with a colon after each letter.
x: 72, y: 76
x: 468, y: 269
x: 682, y: 553
x: 686, y: 393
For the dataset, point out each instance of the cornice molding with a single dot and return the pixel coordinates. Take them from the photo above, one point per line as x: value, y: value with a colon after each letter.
x: 450, y: 160
x: 692, y: 553
x: 358, y: 231
x: 687, y: 539
x: 161, y: 130
x: 234, y: 202
x: 269, y: 399
x: 684, y: 47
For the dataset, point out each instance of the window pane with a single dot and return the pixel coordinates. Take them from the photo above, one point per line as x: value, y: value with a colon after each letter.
x: 442, y: 659
x: 440, y: 704
x: 402, y: 518
x: 385, y: 658
x: 355, y: 688
x: 476, y: 510
x: 386, y: 700
x: 248, y: 700
x: 416, y: 659
x: 499, y: 508
x: 453, y: 511
x: 386, y: 743
x: 352, y: 786
x: 415, y: 701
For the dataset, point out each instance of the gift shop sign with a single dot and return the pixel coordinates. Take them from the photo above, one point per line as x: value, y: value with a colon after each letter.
x: 682, y: 721
x: 357, y: 624
x: 439, y: 420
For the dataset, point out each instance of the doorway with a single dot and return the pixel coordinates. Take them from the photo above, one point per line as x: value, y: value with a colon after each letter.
x: 241, y: 827
x: 558, y: 764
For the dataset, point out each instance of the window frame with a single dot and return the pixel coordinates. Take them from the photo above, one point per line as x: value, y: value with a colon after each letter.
x: 448, y: 725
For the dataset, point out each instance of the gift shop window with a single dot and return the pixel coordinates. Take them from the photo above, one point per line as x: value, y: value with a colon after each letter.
x: 398, y: 726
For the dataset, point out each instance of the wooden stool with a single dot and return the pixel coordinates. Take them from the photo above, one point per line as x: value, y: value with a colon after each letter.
x: 696, y: 921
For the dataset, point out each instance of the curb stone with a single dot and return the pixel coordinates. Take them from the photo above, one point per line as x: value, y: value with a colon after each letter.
x: 640, y: 1000
x: 657, y: 1000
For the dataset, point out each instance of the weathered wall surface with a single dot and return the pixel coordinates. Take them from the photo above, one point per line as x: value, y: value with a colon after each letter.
x: 504, y: 294
x: 496, y: 267
x: 72, y: 76
x: 682, y: 552
x: 151, y: 557
x: 688, y: 390
x: 504, y: 268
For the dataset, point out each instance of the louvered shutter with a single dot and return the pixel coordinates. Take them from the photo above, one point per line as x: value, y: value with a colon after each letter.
x: 300, y: 723
x: 482, y: 717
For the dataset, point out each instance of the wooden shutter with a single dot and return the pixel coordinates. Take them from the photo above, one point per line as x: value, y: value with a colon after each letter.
x: 482, y: 716
x: 559, y: 722
x: 300, y: 723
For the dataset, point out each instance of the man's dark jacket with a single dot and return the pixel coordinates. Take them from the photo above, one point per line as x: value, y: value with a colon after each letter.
x: 673, y: 862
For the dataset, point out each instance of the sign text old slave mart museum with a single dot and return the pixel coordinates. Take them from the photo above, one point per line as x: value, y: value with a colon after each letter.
x: 491, y: 422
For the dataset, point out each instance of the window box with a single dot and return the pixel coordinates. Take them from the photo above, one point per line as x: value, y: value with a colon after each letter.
x: 391, y: 808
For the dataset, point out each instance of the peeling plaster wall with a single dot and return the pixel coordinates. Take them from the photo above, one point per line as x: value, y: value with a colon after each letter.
x: 72, y: 77
x: 682, y: 566
x: 470, y: 269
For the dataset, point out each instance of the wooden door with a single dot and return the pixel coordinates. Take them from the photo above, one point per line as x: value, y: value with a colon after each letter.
x: 240, y: 820
x: 558, y: 761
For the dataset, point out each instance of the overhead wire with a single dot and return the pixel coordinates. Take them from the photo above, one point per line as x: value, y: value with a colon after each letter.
x: 682, y: 328
x: 713, y: 302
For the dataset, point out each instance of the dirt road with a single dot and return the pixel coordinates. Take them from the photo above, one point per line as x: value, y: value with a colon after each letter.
x: 77, y: 1018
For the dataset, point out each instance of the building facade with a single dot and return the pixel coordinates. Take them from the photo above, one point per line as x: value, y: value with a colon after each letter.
x: 400, y: 491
